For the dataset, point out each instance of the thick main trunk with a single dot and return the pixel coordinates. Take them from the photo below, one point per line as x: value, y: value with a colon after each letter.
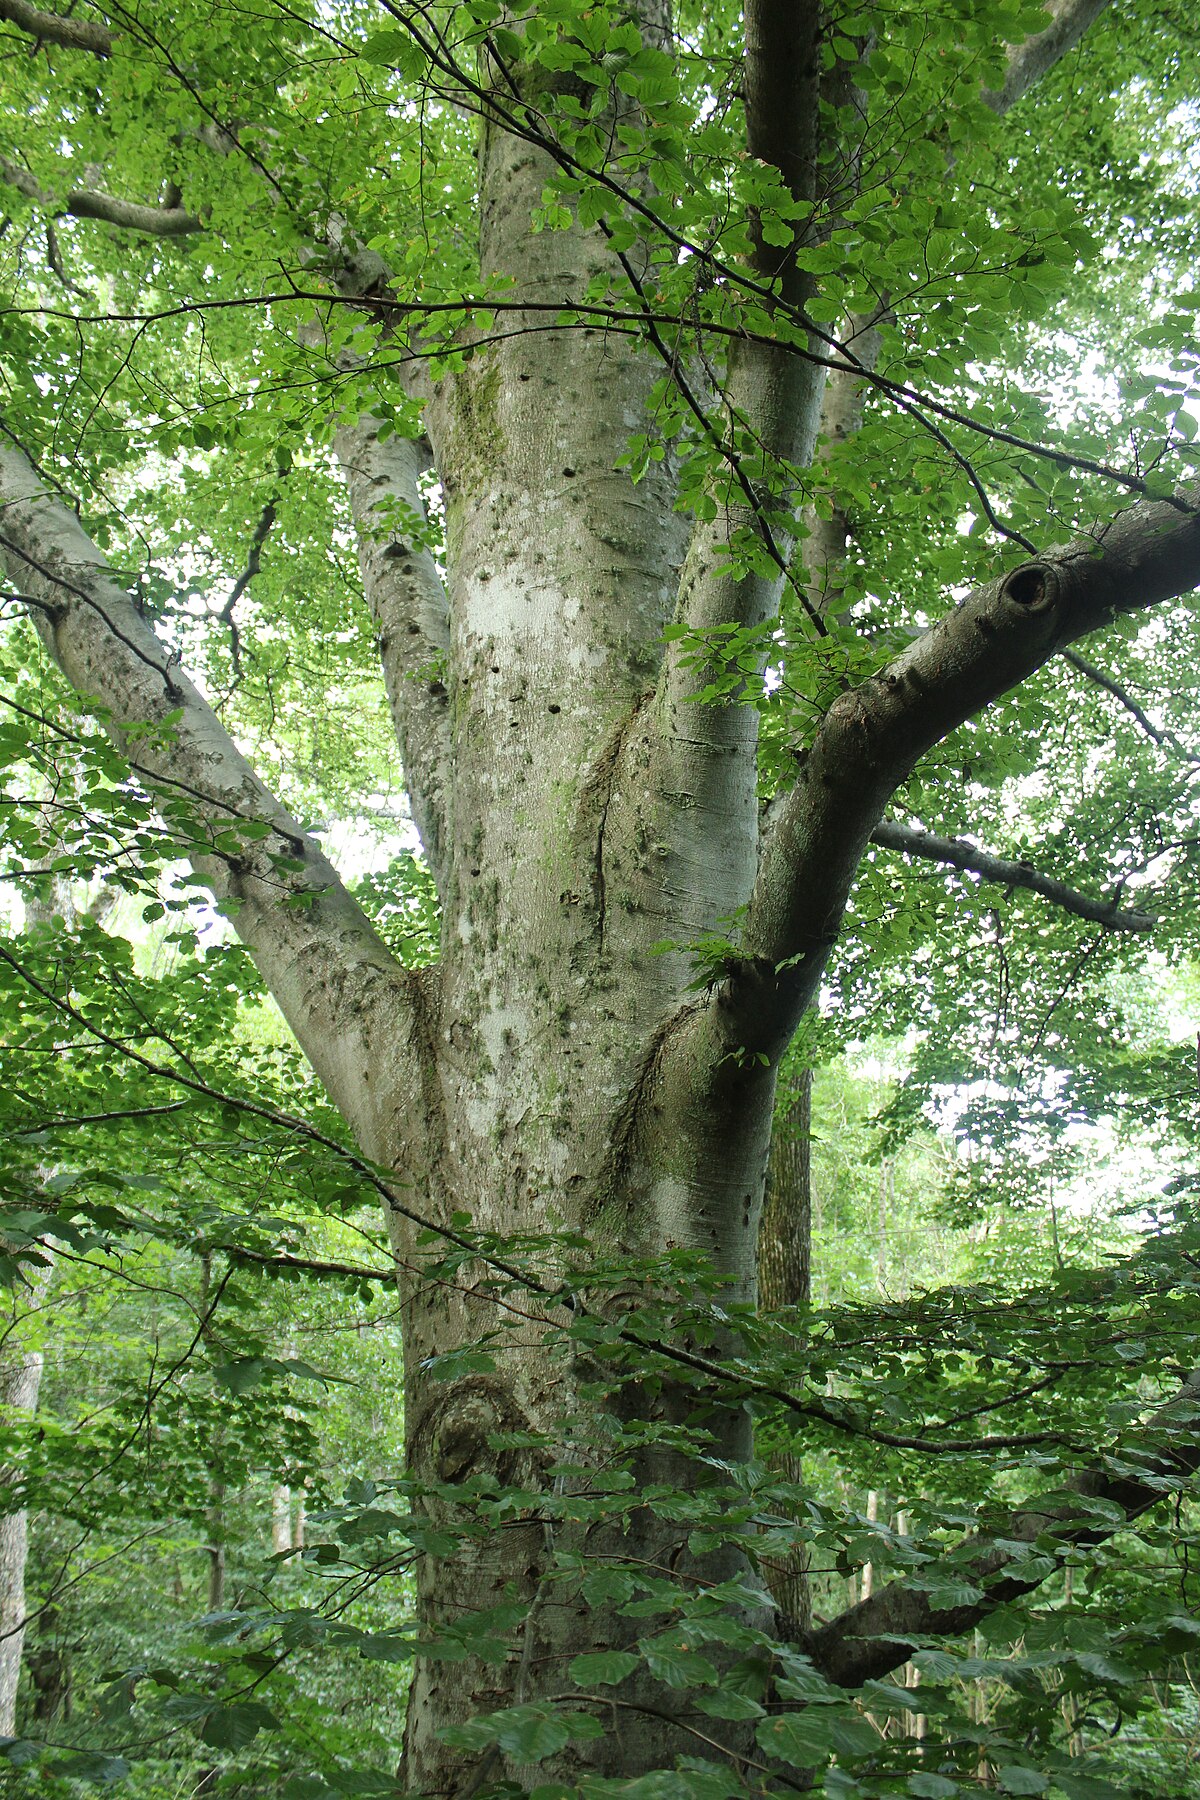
x: 785, y: 1279
x: 537, y: 1421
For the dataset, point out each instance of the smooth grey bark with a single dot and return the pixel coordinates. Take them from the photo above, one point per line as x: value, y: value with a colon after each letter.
x: 408, y: 603
x: 20, y: 1380
x: 1029, y: 62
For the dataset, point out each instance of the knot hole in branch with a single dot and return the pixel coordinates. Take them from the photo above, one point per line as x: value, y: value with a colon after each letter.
x: 1033, y: 587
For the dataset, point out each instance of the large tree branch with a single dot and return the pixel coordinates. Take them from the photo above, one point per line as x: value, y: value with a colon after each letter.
x: 771, y: 411
x: 1030, y: 62
x: 910, y: 840
x: 356, y: 1012
x: 401, y: 582
x: 87, y: 203
x: 53, y: 28
x: 873, y: 736
x: 869, y: 1640
x: 408, y: 604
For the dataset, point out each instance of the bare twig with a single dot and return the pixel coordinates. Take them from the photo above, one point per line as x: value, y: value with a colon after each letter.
x: 253, y: 564
x: 910, y: 840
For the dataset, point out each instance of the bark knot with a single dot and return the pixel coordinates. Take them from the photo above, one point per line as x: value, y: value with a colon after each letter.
x: 1033, y: 587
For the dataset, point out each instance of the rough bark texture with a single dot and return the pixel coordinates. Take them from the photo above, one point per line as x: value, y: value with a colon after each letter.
x: 55, y: 28
x: 785, y: 1233
x: 784, y: 1279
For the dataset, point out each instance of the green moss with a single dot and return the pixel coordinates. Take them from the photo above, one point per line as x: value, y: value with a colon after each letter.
x: 479, y: 447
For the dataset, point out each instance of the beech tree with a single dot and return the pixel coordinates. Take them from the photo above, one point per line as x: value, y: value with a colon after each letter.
x: 672, y: 414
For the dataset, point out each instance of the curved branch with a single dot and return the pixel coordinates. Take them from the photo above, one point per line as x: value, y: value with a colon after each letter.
x: 350, y: 1003
x: 869, y: 1640
x: 910, y: 840
x: 53, y: 28
x: 87, y: 203
x: 873, y: 736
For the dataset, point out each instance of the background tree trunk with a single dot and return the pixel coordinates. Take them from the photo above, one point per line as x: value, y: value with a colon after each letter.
x: 20, y: 1379
x: 785, y: 1279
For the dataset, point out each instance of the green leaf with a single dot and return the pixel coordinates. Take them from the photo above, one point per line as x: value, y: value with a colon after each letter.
x: 532, y: 1733
x: 91, y: 1766
x: 242, y: 1376
x: 603, y: 1667
x: 806, y: 1739
x: 233, y: 1727
x: 726, y: 1704
x: 675, y: 1662
x: 1014, y: 1779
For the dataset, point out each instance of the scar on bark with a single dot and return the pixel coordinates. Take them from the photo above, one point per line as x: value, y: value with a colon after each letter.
x: 595, y: 799
x: 452, y: 1438
x: 424, y: 990
x: 627, y: 1121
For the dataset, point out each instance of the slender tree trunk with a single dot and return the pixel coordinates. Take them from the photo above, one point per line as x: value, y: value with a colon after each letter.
x: 868, y: 1570
x: 281, y: 1518
x: 215, y: 1518
x: 49, y: 1665
x: 20, y: 1379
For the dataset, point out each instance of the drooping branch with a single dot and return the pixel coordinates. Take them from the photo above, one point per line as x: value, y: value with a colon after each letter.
x: 910, y: 840
x: 87, y: 203
x: 53, y: 28
x: 873, y: 736
x: 345, y: 996
x: 871, y: 1639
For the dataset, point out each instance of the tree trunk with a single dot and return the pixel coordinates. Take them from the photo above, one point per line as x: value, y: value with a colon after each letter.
x: 784, y: 1279
x: 593, y: 828
x: 20, y: 1379
x: 785, y: 1234
x: 49, y: 1665
x: 281, y: 1518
